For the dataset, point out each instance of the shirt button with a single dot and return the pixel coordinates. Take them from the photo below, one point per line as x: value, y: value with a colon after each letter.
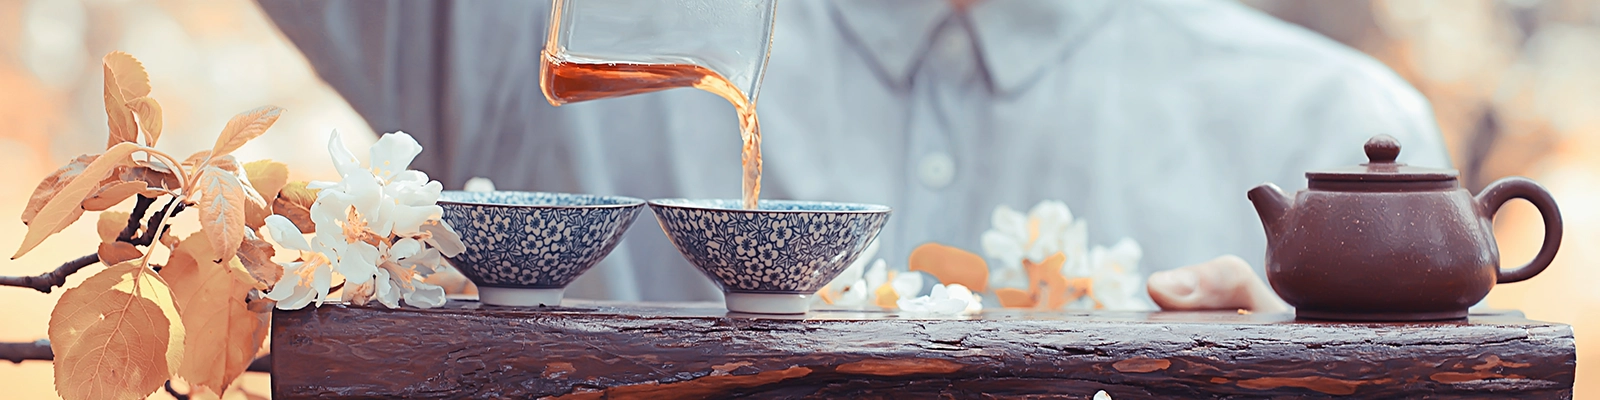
x: 937, y: 170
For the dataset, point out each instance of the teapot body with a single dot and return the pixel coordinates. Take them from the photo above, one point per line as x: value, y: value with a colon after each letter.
x: 1405, y: 255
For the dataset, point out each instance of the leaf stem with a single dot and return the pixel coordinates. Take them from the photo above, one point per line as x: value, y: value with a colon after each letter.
x: 166, y: 212
x: 159, y: 219
x: 177, y: 166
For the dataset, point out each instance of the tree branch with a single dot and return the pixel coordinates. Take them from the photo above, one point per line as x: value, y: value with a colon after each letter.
x: 156, y: 220
x: 18, y: 352
x: 44, y: 282
x: 174, y: 392
x: 140, y: 205
x: 49, y: 280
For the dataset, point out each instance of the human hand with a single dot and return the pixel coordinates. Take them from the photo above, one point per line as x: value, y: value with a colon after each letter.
x: 1224, y: 283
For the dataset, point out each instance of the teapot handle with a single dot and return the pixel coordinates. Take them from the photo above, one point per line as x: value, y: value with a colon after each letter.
x: 1501, y: 191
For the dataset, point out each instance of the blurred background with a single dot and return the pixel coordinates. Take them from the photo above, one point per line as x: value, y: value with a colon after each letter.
x: 1514, y: 85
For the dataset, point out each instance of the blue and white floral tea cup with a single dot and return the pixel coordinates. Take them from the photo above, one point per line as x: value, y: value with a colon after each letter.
x: 772, y: 259
x: 523, y: 248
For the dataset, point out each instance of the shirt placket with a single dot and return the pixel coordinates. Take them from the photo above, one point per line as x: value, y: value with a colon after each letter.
x: 939, y: 122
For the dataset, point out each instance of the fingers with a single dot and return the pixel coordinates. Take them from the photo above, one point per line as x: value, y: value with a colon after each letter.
x: 1224, y: 283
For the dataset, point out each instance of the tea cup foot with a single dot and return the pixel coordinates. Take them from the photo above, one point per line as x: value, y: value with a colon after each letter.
x: 768, y: 303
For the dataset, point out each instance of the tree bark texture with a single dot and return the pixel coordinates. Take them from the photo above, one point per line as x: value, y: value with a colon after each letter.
x: 671, y: 351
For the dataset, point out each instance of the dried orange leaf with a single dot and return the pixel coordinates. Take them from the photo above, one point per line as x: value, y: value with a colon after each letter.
x: 256, y: 256
x: 297, y: 193
x: 300, y: 216
x: 454, y: 282
x: 109, y: 196
x: 887, y: 298
x: 1014, y: 298
x: 131, y: 77
x: 221, y: 338
x: 153, y: 174
x: 226, y: 162
x: 951, y: 265
x: 194, y: 160
x: 824, y: 294
x: 118, y: 118
x: 110, y: 225
x: 256, y: 208
x: 222, y: 206
x: 294, y: 202
x: 245, y: 126
x: 65, y: 207
x: 167, y: 240
x: 149, y: 113
x: 53, y: 183
x: 1046, y: 277
x: 268, y: 177
x: 116, y: 336
x: 112, y: 253
x: 202, y: 393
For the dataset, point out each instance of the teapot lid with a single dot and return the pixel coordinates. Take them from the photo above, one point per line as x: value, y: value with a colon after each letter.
x: 1380, y: 167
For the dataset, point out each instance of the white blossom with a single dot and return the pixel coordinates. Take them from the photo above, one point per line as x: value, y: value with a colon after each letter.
x: 953, y: 299
x: 1046, y: 230
x: 378, y: 227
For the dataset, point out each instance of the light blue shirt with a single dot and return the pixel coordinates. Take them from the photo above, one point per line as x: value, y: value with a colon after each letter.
x: 1149, y: 118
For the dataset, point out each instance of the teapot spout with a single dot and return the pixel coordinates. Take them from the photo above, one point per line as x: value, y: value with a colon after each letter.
x: 1271, y: 203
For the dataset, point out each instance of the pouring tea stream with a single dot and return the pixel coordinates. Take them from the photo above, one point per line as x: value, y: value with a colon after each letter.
x: 600, y: 49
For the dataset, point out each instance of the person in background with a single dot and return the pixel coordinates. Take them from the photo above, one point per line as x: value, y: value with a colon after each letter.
x: 1149, y: 118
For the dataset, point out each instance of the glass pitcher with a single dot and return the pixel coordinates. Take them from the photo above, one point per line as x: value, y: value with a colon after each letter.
x: 608, y: 48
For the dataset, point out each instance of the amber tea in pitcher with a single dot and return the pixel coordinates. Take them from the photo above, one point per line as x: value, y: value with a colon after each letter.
x: 598, y: 49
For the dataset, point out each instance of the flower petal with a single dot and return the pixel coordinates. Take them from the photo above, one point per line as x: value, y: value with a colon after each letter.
x: 907, y: 284
x: 408, y: 220
x: 1011, y: 223
x: 285, y: 234
x: 393, y: 153
x: 286, y: 285
x: 1003, y: 248
x: 855, y: 295
x: 960, y: 292
x: 364, y: 192
x: 425, y: 295
x: 299, y: 298
x: 412, y: 193
x: 442, y: 237
x: 425, y: 263
x: 404, y: 248
x: 321, y: 279
x: 385, y: 291
x: 343, y: 160
x: 1051, y: 212
x: 413, y: 176
x: 877, y: 274
x: 358, y: 263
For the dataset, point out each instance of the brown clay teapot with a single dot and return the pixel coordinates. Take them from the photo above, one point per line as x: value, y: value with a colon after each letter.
x: 1385, y: 241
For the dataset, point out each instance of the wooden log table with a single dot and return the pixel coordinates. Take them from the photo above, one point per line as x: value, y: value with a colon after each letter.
x: 670, y: 351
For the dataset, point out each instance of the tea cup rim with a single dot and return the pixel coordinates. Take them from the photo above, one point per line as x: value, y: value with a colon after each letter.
x: 701, y: 204
x: 625, y: 201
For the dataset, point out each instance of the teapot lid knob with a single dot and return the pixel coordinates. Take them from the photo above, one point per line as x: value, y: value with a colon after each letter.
x: 1382, y: 149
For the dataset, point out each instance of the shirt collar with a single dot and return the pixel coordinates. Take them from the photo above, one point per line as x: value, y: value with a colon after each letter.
x: 1017, y: 39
